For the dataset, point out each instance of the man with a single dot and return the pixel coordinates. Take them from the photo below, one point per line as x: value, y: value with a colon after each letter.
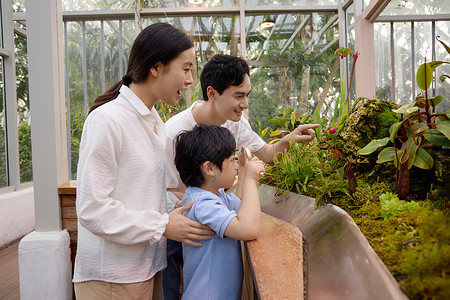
x: 225, y: 82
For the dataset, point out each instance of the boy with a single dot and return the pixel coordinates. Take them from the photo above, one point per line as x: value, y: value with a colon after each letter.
x: 205, y: 160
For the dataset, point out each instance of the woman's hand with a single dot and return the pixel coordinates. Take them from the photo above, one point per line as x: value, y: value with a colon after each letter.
x: 185, y: 230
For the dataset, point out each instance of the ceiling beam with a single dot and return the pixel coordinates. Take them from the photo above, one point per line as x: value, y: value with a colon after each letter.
x: 297, y: 30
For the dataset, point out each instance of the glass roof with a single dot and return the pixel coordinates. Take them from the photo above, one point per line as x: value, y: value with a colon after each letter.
x: 411, y: 7
x: 290, y: 2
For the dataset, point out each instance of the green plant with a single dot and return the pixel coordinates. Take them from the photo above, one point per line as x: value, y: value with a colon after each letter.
x: 340, y: 108
x: 284, y: 122
x: 325, y: 188
x: 369, y: 192
x: 392, y: 205
x: 417, y: 130
x: 306, y: 169
x: 25, y: 162
x: 293, y: 170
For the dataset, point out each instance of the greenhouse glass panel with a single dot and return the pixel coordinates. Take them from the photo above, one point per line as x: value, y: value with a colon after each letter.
x: 23, y: 109
x: 291, y: 62
x: 76, y: 110
x: 97, y: 55
x: 211, y: 35
x: 383, y: 70
x: 80, y: 5
x: 443, y: 88
x: 18, y: 5
x: 422, y: 49
x: 290, y: 2
x: 402, y: 54
x: 3, y: 153
x: 409, y: 7
x: 188, y: 3
x: 366, y: 3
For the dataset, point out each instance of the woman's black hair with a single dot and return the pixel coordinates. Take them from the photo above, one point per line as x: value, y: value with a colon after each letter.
x: 159, y: 42
x: 203, y: 143
x: 221, y: 71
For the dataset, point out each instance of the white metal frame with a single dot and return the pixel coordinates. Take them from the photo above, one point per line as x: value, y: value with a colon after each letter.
x: 10, y: 95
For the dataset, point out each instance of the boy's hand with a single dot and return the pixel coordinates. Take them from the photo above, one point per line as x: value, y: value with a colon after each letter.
x: 185, y: 230
x: 255, y: 168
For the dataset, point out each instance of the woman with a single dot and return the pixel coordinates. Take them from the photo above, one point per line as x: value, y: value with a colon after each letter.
x: 121, y: 191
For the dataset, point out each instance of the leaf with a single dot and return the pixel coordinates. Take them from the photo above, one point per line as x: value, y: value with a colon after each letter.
x: 436, y: 63
x: 436, y: 100
x: 411, y: 147
x: 444, y: 128
x: 343, y: 108
x: 418, y: 128
x: 277, y: 132
x: 278, y: 122
x: 263, y: 133
x: 387, y: 154
x: 420, y: 101
x: 443, y: 44
x: 394, y: 129
x: 317, y: 120
x: 436, y: 137
x: 443, y: 77
x: 424, y: 70
x: 406, y: 109
x: 400, y: 155
x: 431, y: 101
x: 423, y: 159
x: 287, y: 111
x: 372, y: 146
x: 293, y: 118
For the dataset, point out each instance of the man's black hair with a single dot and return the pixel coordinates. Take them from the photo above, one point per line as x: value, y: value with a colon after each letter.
x: 203, y: 143
x: 221, y: 71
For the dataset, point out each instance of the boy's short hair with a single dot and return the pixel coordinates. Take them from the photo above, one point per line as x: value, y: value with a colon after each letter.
x: 221, y: 71
x: 203, y: 143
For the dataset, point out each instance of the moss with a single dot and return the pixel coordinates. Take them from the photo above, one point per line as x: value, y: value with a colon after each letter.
x: 414, y: 246
x: 427, y: 266
x: 366, y: 119
x: 386, y: 119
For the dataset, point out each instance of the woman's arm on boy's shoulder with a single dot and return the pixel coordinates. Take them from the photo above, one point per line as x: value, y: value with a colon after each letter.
x: 247, y: 223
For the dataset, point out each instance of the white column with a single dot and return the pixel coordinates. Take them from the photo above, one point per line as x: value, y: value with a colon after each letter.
x: 364, y: 44
x: 44, y: 266
x: 44, y: 255
x: 47, y: 101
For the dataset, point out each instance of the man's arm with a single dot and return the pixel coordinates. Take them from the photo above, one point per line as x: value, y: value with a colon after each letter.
x: 303, y: 133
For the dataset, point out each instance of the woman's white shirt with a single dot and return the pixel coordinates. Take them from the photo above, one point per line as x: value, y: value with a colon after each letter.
x: 121, y: 193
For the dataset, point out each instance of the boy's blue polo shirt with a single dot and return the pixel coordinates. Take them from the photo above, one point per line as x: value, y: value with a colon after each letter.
x: 213, y: 271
